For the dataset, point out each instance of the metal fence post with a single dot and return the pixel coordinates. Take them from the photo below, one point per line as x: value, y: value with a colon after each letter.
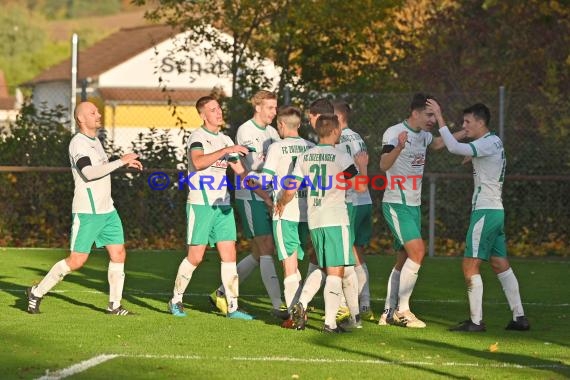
x: 432, y: 189
x: 286, y: 95
x: 502, y: 113
x: 74, y: 43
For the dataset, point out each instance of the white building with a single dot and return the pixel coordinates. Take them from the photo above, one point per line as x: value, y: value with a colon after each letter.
x: 134, y: 79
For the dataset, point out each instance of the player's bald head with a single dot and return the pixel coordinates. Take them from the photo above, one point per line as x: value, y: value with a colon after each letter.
x: 81, y: 109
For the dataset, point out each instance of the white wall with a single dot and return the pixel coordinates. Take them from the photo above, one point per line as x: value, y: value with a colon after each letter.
x: 196, y: 70
x: 52, y: 93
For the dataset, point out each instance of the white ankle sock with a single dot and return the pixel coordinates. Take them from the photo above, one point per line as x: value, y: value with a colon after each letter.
x: 311, y: 287
x: 350, y: 290
x: 332, y: 293
x: 475, y: 295
x: 55, y: 275
x: 183, y: 278
x: 363, y: 285
x: 116, y: 277
x: 244, y: 269
x: 270, y: 280
x: 392, y: 291
x: 408, y: 278
x: 230, y: 281
x: 290, y: 286
x: 511, y: 289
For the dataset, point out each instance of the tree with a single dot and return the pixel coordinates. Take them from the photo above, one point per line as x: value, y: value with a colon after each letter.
x: 317, y: 44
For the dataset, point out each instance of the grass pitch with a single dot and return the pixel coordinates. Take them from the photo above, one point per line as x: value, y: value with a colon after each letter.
x: 73, y: 337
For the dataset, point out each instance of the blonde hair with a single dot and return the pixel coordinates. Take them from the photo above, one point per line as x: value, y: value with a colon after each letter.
x: 262, y: 95
x: 290, y: 116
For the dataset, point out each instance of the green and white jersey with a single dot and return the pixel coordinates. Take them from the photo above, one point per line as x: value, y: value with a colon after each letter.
x: 279, y: 163
x: 352, y: 143
x: 90, y: 197
x: 489, y: 165
x: 319, y: 167
x: 202, y: 192
x: 404, y: 178
x: 257, y: 139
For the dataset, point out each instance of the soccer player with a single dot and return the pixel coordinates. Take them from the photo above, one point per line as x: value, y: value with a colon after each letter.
x: 485, y: 239
x: 290, y: 230
x: 210, y: 215
x: 257, y: 134
x: 95, y: 219
x: 359, y: 209
x: 403, y: 156
x: 320, y: 168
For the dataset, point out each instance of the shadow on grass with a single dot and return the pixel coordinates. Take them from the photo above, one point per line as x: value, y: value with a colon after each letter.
x: 329, y: 339
x: 515, y: 360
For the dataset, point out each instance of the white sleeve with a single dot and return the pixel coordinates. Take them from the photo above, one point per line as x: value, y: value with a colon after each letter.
x: 95, y: 172
x: 272, y: 159
x: 298, y: 170
x: 390, y: 137
x: 455, y: 146
x: 486, y: 146
x: 242, y: 136
x: 346, y: 161
x: 274, y: 134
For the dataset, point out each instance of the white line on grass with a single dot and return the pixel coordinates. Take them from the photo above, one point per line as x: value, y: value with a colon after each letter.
x: 79, y: 367
x: 349, y: 361
x: 86, y: 364
x: 136, y: 293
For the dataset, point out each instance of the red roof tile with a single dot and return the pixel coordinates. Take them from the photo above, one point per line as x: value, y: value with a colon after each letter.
x: 151, y: 95
x: 8, y: 103
x: 108, y: 53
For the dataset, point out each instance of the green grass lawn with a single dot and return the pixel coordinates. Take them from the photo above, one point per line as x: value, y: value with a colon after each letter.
x: 73, y: 327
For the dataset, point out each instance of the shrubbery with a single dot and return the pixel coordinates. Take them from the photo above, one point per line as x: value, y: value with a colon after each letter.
x: 36, y: 206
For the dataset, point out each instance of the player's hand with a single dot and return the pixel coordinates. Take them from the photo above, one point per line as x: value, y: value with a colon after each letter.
x: 136, y: 164
x: 402, y: 139
x: 466, y: 160
x: 361, y: 159
x: 433, y: 106
x: 239, y: 149
x: 460, y: 135
x: 278, y: 208
x: 131, y: 160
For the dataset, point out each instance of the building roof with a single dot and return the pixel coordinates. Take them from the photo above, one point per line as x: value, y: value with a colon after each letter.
x: 108, y: 53
x: 152, y: 95
x: 8, y: 103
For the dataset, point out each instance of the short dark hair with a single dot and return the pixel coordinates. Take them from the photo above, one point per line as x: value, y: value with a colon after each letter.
x: 419, y: 101
x: 325, y: 124
x: 203, y: 101
x: 480, y: 112
x: 321, y: 106
x: 341, y: 106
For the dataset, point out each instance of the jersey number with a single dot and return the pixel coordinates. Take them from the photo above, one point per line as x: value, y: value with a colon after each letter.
x: 319, y: 178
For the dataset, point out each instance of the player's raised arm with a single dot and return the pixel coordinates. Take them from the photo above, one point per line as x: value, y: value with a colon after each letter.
x: 438, y: 143
x: 391, y: 150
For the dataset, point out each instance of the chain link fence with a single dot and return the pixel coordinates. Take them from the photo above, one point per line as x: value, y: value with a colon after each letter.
x: 35, y: 203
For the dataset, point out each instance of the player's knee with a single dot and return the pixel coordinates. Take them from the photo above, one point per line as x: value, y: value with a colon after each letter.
x: 75, y: 262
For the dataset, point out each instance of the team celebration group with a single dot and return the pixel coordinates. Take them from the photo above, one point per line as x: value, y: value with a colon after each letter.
x: 315, y: 208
